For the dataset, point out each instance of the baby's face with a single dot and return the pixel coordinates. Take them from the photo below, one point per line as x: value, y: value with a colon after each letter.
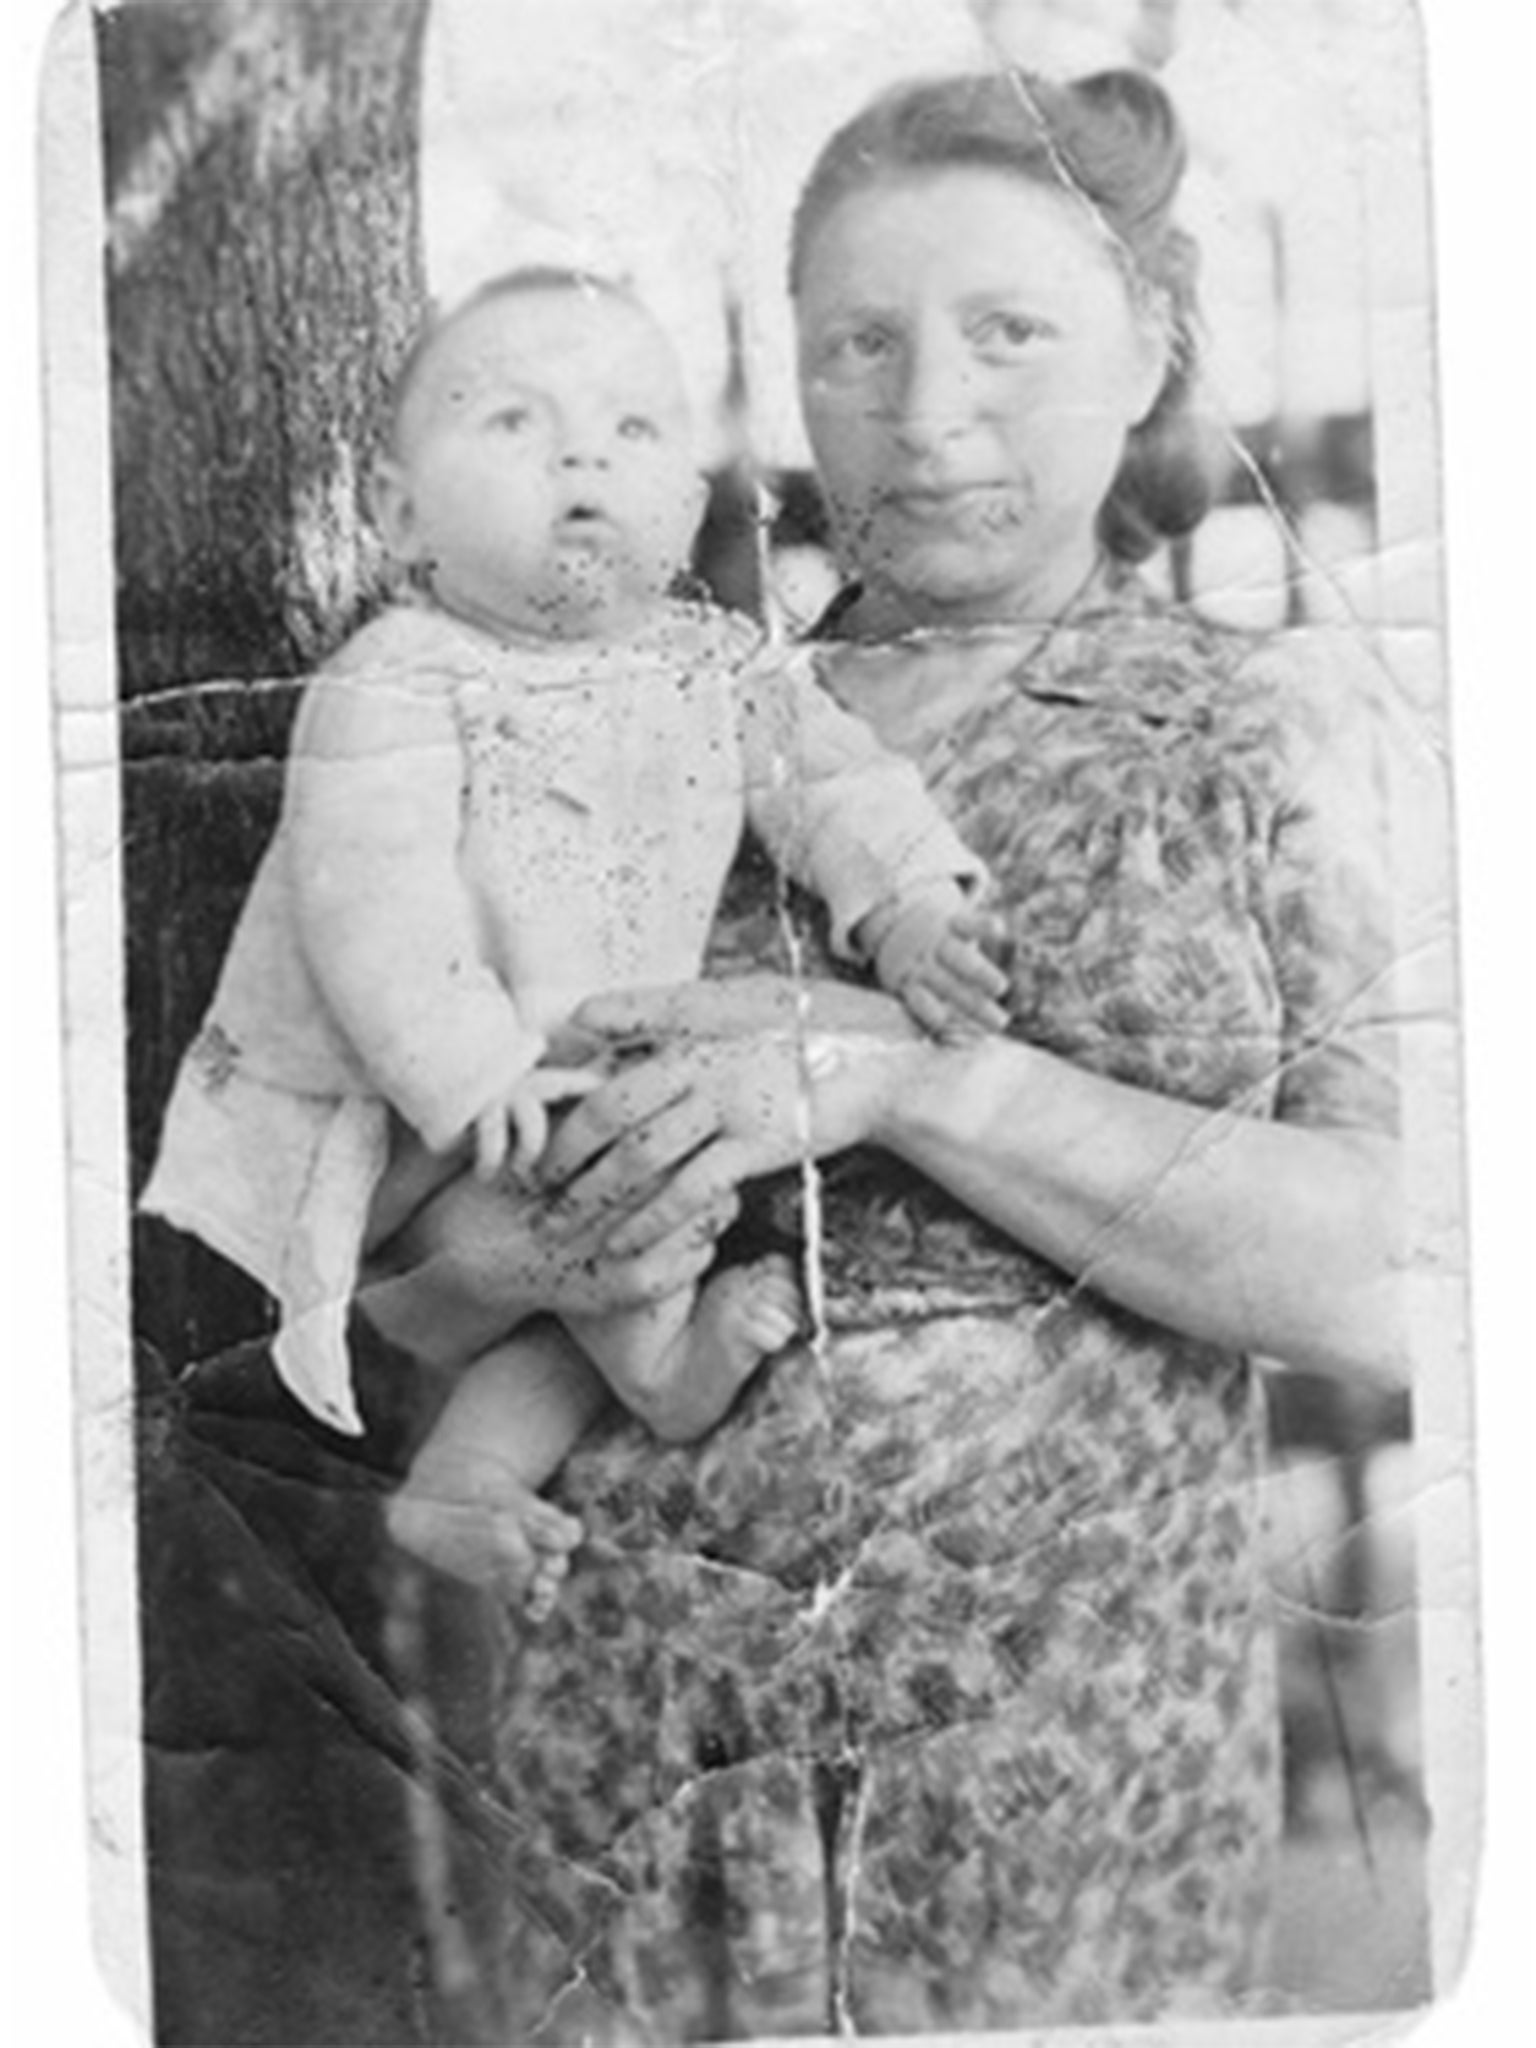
x: 544, y: 472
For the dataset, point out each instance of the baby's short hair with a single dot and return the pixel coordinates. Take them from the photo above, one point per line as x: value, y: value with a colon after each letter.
x: 528, y: 280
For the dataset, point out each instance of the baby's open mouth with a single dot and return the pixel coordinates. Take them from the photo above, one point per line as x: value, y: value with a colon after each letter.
x: 585, y: 526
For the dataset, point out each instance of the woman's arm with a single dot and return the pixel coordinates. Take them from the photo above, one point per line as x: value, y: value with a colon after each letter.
x: 1281, y: 1234
x: 1255, y: 1235
x: 1259, y: 1236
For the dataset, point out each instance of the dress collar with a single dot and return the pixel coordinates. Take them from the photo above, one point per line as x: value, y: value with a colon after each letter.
x: 1108, y: 585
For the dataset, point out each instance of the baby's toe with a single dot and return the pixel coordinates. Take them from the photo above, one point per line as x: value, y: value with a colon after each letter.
x: 511, y: 1553
x: 770, y: 1328
x: 550, y: 1530
x: 549, y: 1575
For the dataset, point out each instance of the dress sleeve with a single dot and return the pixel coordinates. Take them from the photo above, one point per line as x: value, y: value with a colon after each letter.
x: 846, y: 819
x: 1354, y: 896
x: 375, y: 797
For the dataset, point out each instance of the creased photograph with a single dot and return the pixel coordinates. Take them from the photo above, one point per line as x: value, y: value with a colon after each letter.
x: 762, y: 998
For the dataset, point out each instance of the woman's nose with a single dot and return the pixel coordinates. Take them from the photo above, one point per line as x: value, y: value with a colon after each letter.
x: 935, y: 393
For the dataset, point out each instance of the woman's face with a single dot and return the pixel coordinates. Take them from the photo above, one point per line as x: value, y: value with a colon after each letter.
x: 970, y: 365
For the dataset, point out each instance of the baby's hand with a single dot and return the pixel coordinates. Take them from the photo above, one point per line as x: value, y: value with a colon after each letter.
x: 524, y: 1110
x: 933, y: 954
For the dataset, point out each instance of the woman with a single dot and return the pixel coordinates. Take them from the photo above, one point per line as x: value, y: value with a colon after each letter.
x: 935, y: 1688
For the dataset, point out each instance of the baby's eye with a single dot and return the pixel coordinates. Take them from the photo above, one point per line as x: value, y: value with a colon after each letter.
x: 512, y: 419
x: 638, y: 426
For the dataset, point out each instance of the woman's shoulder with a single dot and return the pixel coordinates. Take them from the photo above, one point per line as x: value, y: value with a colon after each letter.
x: 1298, y: 691
x: 1325, y: 707
x: 1320, y: 676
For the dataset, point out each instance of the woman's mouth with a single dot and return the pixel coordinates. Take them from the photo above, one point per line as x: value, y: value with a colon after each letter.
x: 990, y: 503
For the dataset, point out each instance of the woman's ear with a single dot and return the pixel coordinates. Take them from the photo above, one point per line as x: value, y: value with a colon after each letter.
x: 1153, y: 349
x: 394, y: 513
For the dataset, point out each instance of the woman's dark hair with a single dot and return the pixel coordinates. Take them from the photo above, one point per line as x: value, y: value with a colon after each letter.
x: 1112, y: 142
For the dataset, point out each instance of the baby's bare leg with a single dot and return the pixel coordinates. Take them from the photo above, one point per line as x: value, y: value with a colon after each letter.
x: 413, y: 1176
x: 470, y: 1505
x: 680, y: 1364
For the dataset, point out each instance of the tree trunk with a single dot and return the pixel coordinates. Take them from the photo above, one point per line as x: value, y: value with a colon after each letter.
x: 263, y: 276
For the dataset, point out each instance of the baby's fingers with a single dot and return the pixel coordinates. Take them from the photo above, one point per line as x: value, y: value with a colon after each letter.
x: 961, y: 960
x: 951, y: 1008
x: 987, y: 929
x: 490, y: 1143
x: 532, y: 1128
x: 936, y: 1016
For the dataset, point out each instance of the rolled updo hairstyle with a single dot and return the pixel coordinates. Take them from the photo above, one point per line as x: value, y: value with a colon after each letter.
x: 1113, y: 143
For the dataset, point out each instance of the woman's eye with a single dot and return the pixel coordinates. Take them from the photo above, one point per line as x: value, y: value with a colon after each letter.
x: 1007, y: 333
x: 854, y: 352
x: 636, y: 426
x: 866, y: 344
x: 512, y: 419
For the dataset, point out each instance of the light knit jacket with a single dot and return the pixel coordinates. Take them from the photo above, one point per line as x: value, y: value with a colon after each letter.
x: 474, y: 838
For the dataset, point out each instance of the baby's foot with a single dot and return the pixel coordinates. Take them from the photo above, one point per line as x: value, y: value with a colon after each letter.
x: 743, y: 1316
x: 499, y: 1535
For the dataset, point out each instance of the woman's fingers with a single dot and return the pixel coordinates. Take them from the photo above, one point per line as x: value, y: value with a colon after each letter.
x: 695, y: 1191
x: 634, y: 1014
x: 708, y: 1009
x: 560, y: 1084
x: 676, y: 1260
x: 645, y: 1155
x: 608, y: 1114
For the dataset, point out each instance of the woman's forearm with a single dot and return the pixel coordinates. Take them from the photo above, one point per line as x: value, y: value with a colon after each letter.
x: 1257, y: 1235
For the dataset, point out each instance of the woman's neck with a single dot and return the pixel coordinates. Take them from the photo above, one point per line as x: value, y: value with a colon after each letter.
x: 882, y: 611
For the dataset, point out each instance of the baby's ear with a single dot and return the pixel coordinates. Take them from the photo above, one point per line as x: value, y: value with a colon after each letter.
x: 699, y: 503
x: 394, y: 514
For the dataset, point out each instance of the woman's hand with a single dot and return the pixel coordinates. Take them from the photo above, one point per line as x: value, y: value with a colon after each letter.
x: 742, y: 1078
x: 477, y: 1260
x: 720, y: 1082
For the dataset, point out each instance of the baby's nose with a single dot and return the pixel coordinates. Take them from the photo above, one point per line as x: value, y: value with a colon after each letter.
x: 583, y: 449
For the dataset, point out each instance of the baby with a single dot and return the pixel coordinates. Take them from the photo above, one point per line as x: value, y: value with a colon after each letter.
x: 521, y: 788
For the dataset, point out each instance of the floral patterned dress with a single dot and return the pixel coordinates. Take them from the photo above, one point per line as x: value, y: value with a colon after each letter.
x: 935, y: 1689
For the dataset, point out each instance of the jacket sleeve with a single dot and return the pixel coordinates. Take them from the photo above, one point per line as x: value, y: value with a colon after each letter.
x: 846, y: 818
x: 387, y: 928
